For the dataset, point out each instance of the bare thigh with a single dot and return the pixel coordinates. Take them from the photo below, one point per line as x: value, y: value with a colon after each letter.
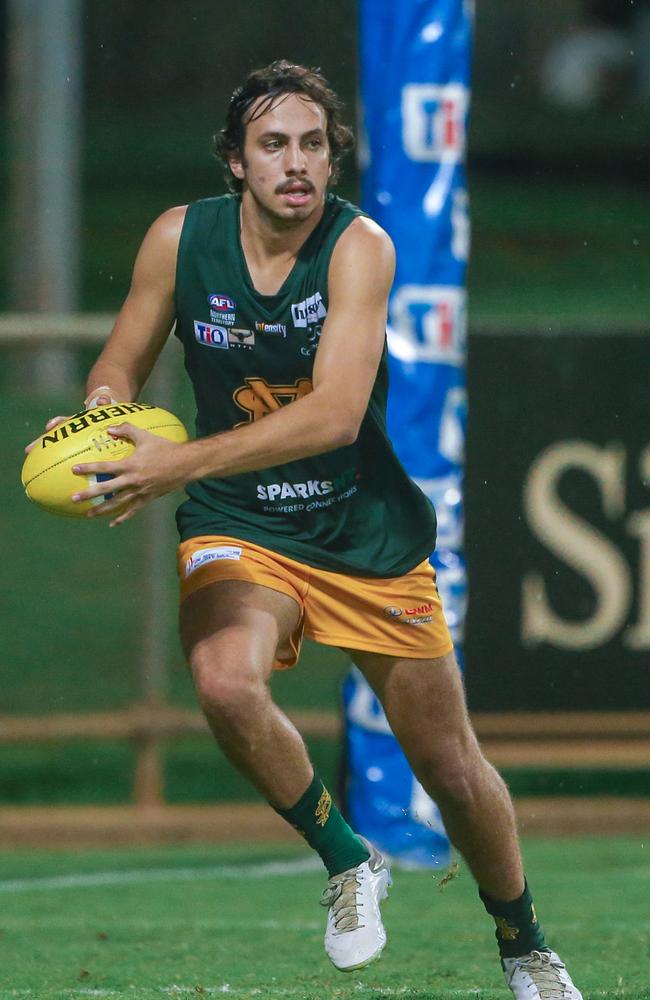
x: 234, y: 622
x: 424, y: 701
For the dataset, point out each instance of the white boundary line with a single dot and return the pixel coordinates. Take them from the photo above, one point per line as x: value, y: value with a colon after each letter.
x: 245, y: 992
x: 140, y: 876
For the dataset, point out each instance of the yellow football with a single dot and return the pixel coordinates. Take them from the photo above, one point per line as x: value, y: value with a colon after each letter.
x: 47, y: 471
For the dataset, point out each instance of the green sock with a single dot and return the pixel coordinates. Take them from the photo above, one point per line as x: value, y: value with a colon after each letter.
x: 318, y: 820
x: 518, y: 929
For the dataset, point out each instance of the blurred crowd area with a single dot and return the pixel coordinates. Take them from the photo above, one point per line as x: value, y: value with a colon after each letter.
x: 574, y: 55
x: 602, y: 56
x: 560, y: 103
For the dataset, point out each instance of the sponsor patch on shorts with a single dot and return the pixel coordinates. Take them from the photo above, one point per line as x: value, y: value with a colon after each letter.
x: 419, y: 615
x: 213, y: 554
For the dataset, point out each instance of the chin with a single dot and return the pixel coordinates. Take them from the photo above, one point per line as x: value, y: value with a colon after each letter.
x: 297, y: 213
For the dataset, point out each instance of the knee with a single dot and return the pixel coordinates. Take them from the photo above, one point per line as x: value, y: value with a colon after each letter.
x: 229, y: 697
x: 450, y: 769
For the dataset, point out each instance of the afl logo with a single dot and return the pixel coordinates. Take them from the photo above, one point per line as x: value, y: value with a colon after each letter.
x: 392, y: 612
x: 222, y: 302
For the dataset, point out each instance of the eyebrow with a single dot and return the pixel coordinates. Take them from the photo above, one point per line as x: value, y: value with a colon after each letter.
x: 273, y: 134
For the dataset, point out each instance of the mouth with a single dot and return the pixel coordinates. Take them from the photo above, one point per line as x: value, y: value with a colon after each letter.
x: 297, y: 192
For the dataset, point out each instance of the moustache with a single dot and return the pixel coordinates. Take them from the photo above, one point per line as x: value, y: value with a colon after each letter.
x: 288, y: 185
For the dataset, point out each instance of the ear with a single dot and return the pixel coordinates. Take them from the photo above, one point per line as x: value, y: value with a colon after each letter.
x: 235, y: 162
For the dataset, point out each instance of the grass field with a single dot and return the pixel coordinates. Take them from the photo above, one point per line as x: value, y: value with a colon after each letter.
x: 245, y: 922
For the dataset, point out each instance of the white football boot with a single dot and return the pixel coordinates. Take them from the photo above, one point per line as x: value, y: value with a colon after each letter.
x: 541, y: 975
x: 355, y: 935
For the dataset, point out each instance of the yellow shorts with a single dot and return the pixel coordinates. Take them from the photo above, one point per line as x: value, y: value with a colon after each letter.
x: 397, y: 616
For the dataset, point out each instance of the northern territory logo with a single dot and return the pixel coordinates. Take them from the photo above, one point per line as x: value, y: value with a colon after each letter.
x: 223, y: 319
x: 210, y: 335
x: 309, y: 311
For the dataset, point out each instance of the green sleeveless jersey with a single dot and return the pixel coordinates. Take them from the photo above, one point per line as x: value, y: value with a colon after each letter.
x: 353, y: 510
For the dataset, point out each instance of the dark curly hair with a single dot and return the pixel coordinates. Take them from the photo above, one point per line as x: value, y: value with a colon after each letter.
x: 279, y: 78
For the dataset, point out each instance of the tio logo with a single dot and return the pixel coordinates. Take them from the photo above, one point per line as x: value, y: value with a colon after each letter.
x: 428, y: 324
x: 433, y: 131
x: 585, y: 549
x: 433, y: 122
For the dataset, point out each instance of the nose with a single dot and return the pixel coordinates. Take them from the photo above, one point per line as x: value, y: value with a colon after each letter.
x: 295, y: 161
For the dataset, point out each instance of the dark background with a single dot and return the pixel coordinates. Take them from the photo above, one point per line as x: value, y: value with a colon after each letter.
x: 559, y: 192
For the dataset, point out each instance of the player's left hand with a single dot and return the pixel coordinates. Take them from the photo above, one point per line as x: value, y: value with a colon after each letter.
x: 152, y: 470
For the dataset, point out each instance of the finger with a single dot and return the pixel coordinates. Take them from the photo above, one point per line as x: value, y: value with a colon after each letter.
x: 98, y: 469
x: 128, y: 431
x: 125, y: 516
x: 117, y: 503
x: 111, y: 486
x: 54, y: 422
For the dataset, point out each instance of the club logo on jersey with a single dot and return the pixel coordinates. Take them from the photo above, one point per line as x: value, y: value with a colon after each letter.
x: 276, y: 329
x: 309, y: 311
x: 211, y: 336
x: 239, y: 337
x: 222, y: 302
x: 257, y: 397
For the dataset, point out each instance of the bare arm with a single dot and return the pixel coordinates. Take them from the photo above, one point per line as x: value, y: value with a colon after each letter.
x: 145, y: 319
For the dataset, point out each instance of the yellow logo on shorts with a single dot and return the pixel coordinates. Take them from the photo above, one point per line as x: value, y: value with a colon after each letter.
x: 323, y: 808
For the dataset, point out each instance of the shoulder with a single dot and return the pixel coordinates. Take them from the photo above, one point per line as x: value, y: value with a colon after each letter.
x: 156, y: 260
x: 165, y: 232
x: 363, y: 247
x: 364, y: 234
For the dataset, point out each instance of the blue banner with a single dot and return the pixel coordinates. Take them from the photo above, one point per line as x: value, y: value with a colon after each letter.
x: 415, y: 75
x: 415, y: 72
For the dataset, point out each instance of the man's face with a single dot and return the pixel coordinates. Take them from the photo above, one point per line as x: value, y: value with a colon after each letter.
x: 285, y: 163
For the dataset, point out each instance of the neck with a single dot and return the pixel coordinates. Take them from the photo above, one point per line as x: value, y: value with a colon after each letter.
x: 264, y: 235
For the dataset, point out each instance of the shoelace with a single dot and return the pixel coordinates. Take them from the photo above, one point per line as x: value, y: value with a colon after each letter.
x: 545, y: 973
x: 340, y: 894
